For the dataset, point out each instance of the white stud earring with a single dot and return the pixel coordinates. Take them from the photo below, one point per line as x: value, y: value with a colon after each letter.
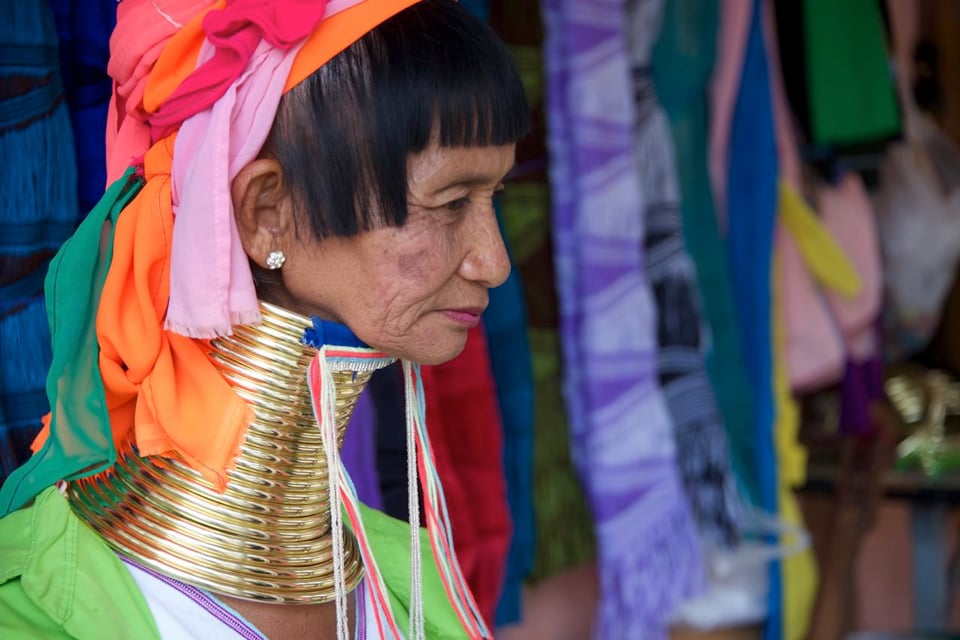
x: 275, y: 260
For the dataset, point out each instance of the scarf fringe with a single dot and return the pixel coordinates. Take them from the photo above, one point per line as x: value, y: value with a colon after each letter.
x: 210, y: 333
x: 644, y: 584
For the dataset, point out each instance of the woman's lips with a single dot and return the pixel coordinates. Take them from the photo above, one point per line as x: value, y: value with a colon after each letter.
x: 468, y: 318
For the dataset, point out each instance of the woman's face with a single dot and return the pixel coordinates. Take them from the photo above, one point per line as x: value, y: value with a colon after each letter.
x: 413, y: 291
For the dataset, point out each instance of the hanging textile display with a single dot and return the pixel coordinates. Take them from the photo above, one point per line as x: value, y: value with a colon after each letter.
x: 505, y: 324
x: 622, y: 436
x: 745, y: 153
x: 698, y: 428
x: 682, y: 65
x: 84, y: 27
x: 851, y: 92
x: 798, y: 571
x: 37, y: 214
x: 562, y: 519
x: 724, y: 90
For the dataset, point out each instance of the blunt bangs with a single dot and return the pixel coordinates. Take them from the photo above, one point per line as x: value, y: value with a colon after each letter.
x: 433, y: 72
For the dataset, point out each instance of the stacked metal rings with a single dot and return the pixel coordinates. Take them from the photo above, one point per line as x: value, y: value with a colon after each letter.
x: 267, y: 537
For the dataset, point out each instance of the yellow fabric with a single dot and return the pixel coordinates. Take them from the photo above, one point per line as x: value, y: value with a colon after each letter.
x: 799, y: 571
x: 824, y: 257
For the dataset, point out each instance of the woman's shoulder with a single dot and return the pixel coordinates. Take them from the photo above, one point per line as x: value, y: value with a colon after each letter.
x: 59, y: 579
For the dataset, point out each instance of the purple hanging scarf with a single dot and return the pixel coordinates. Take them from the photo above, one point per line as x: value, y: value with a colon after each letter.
x: 622, y: 438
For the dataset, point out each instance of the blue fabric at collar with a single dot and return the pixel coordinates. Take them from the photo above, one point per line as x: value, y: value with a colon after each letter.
x: 326, y: 332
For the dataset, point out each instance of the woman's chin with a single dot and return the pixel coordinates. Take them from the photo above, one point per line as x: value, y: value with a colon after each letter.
x: 438, y: 352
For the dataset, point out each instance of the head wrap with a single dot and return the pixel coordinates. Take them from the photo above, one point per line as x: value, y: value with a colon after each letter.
x: 143, y: 29
x: 160, y: 389
x: 219, y: 79
x: 178, y: 89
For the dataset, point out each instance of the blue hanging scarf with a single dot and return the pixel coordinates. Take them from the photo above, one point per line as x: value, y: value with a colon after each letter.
x: 751, y: 211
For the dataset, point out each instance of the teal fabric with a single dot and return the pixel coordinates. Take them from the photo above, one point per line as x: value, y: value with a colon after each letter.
x: 80, y: 441
x: 682, y: 66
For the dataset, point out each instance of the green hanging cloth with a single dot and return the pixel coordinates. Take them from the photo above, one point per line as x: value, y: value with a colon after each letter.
x: 850, y: 85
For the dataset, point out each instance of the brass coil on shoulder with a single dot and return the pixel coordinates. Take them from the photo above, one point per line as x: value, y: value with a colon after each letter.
x: 267, y: 537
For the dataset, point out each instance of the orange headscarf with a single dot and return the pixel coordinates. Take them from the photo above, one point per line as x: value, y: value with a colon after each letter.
x: 161, y: 389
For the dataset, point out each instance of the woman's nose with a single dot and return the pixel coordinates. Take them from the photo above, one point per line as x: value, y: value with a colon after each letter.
x: 486, y: 261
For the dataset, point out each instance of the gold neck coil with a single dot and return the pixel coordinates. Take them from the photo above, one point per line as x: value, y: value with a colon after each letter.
x: 267, y: 537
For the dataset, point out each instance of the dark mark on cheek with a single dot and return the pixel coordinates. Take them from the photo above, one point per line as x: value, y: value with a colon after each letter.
x: 411, y: 265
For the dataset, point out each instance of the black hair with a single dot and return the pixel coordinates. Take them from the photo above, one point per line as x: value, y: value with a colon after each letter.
x: 343, y: 135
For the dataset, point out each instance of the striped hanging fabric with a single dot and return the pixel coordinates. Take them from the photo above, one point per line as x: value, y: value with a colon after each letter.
x: 683, y: 62
x: 622, y: 435
x: 698, y: 426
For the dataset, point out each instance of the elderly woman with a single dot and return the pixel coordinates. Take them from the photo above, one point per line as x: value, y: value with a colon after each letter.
x: 303, y: 194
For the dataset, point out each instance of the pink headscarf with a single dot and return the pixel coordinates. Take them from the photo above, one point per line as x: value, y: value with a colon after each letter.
x: 211, y: 287
x: 143, y: 28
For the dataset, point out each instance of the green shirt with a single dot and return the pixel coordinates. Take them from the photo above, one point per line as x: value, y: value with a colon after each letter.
x: 59, y: 579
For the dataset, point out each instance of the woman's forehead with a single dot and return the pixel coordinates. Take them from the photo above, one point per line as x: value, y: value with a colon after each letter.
x: 441, y: 167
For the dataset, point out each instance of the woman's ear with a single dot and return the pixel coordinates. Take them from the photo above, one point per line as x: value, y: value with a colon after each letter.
x: 262, y: 207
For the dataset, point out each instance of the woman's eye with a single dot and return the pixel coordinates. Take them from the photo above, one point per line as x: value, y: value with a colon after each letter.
x: 458, y: 205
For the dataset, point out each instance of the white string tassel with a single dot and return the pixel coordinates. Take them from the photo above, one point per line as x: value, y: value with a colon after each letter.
x: 417, y: 630
x: 328, y: 430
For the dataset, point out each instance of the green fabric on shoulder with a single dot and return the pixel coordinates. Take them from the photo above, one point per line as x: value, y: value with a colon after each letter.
x: 59, y: 579
x: 390, y: 542
x: 80, y: 442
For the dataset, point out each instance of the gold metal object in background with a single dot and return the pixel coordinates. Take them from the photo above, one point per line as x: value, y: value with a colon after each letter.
x: 927, y: 402
x: 267, y: 537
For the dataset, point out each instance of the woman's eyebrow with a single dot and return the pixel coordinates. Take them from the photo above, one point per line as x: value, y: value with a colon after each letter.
x: 472, y: 179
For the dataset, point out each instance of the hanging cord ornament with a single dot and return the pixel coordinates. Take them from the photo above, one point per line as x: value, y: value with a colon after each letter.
x: 323, y: 393
x: 343, y: 499
x: 343, y: 495
x: 436, y: 514
x: 413, y: 496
